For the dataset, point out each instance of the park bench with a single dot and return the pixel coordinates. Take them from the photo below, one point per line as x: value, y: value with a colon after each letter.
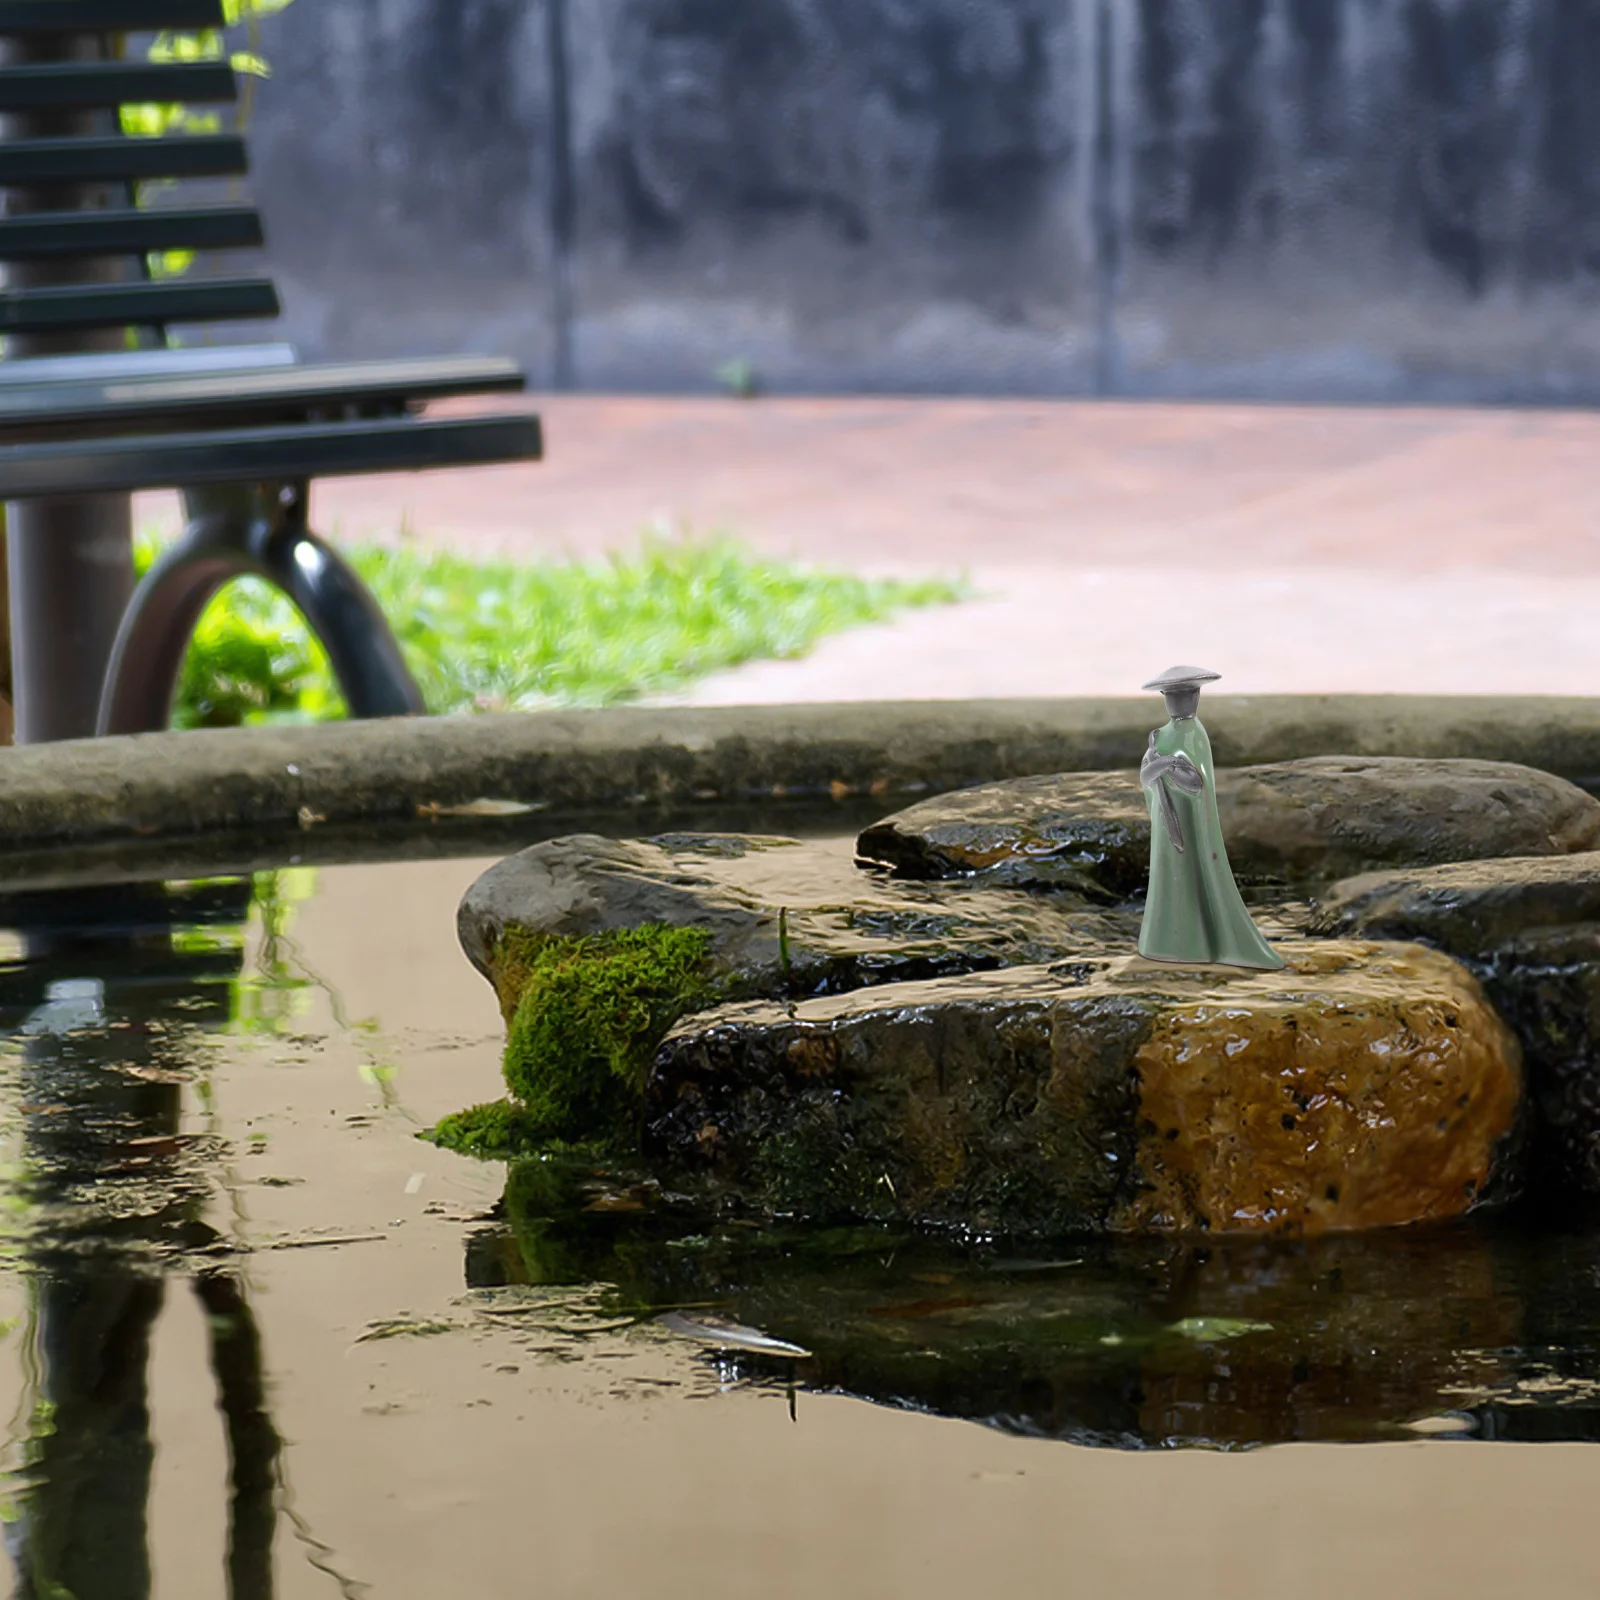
x: 241, y: 430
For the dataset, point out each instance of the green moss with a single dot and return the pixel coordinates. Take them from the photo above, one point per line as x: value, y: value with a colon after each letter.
x: 494, y: 1131
x: 586, y: 1015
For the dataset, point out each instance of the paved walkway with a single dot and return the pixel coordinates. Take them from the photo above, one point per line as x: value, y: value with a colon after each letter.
x: 1292, y: 549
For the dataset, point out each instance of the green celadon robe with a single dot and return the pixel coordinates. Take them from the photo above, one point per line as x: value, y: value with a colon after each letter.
x: 1195, y: 912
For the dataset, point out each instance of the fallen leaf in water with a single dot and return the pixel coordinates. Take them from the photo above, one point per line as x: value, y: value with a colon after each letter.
x: 313, y: 1241
x: 730, y: 1335
x: 1209, y: 1330
x: 129, y: 1069
x: 403, y: 1327
x: 476, y: 808
x: 157, y: 1145
x: 1442, y: 1425
x: 924, y: 1308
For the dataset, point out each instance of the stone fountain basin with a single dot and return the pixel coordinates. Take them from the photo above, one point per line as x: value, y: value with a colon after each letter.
x: 944, y: 1022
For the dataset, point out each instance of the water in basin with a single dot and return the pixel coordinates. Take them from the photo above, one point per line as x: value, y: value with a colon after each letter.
x: 261, y: 1339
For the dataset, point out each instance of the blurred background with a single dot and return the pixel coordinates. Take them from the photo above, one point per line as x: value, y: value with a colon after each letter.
x: 1258, y: 333
x: 1268, y: 199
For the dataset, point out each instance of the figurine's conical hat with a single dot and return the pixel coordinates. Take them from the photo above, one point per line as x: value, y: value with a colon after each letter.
x: 1182, y: 678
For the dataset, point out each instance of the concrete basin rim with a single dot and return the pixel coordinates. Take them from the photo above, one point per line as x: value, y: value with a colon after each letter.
x: 637, y: 765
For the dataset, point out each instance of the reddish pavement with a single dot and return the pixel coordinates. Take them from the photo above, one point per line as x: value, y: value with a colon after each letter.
x: 1291, y: 548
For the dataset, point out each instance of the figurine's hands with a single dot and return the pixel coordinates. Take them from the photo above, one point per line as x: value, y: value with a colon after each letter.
x: 1186, y: 775
x: 1179, y: 768
x: 1154, y: 767
x: 1153, y: 770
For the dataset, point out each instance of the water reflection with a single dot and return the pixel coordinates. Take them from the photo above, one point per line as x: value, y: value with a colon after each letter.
x: 110, y: 997
x: 1484, y: 1330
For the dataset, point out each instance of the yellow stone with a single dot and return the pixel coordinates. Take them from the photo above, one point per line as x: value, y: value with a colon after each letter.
x: 1368, y: 1085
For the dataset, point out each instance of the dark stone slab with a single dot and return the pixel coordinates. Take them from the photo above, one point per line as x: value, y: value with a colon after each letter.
x: 1313, y: 819
x: 1366, y: 1086
x: 785, y: 917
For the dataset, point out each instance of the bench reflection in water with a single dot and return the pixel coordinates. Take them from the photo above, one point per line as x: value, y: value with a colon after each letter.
x: 109, y: 1003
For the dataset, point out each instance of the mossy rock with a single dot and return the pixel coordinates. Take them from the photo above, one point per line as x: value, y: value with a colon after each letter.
x: 584, y: 1016
x: 596, y: 947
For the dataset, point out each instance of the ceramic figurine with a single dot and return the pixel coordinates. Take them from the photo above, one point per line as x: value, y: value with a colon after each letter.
x: 1194, y: 913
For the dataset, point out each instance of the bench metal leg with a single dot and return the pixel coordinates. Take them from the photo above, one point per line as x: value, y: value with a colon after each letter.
x: 257, y: 531
x: 71, y: 574
x: 72, y: 558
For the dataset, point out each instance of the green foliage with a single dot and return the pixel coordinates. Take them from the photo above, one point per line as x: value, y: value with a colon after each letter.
x: 510, y: 636
x: 208, y: 44
x: 739, y: 378
x: 499, y: 636
x: 252, y: 660
x: 154, y: 121
x: 589, y: 1016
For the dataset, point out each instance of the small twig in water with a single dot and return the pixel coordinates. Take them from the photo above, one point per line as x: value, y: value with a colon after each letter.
x: 309, y: 1244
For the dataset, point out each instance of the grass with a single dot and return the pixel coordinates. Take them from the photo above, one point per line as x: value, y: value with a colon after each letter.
x: 515, y: 636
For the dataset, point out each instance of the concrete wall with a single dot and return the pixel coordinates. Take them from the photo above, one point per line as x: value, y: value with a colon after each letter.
x: 1280, y: 198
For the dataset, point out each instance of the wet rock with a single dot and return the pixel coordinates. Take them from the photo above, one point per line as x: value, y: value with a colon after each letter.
x: 1365, y: 1086
x: 1087, y: 831
x: 1470, y: 908
x: 1316, y: 819
x: 1332, y: 815
x: 1530, y: 929
x: 784, y: 917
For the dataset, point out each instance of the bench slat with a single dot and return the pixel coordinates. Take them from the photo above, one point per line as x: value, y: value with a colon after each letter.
x: 192, y: 401
x: 119, y: 366
x: 311, y: 450
x: 107, y: 16
x: 115, y: 83
x: 135, y: 304
x: 35, y: 235
x: 192, y: 155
